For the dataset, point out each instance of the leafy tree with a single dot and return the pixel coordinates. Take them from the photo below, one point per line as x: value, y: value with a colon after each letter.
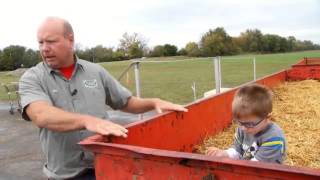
x: 133, y: 45
x: 271, y: 43
x: 135, y: 50
x: 12, y: 57
x: 102, y: 54
x: 192, y: 49
x: 31, y: 58
x: 251, y: 40
x: 283, y: 44
x: 217, y: 42
x: 157, y: 51
x: 85, y: 54
x: 119, y: 54
x: 291, y: 41
x: 182, y: 52
x: 170, y: 50
x: 212, y: 43
x: 1, y: 61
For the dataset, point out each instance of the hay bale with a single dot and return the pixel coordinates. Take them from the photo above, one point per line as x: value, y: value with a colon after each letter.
x: 296, y: 109
x: 222, y: 140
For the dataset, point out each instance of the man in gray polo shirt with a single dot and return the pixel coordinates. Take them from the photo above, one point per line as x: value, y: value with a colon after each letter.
x: 66, y: 98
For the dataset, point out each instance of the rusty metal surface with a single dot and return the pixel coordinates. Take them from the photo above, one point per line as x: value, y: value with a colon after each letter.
x: 308, y: 68
x: 161, y: 147
x: 128, y: 161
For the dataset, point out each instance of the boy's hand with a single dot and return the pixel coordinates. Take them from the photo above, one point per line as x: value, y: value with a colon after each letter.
x: 213, y: 151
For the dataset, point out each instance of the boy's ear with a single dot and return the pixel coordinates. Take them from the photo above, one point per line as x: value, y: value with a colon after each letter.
x: 269, y: 116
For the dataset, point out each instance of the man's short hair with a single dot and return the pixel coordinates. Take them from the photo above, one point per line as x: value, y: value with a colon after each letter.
x: 252, y: 99
x: 67, y: 29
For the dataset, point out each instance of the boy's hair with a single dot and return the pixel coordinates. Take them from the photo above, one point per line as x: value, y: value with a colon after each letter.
x: 252, y: 99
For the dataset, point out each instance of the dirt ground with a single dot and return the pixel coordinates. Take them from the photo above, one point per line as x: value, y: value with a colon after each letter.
x: 20, y: 153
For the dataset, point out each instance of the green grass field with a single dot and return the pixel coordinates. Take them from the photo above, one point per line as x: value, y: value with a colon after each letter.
x: 6, y: 79
x: 172, y: 80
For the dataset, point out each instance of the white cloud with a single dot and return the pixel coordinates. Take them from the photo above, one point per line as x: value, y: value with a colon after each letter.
x: 161, y: 21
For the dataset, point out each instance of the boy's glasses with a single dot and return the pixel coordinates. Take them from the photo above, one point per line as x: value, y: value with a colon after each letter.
x: 249, y: 124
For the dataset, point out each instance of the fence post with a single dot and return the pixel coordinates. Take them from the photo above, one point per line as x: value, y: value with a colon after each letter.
x: 217, y: 74
x: 194, y: 90
x: 137, y: 78
x: 254, y: 69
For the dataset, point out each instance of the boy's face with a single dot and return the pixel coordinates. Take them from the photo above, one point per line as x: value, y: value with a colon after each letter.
x: 252, y: 124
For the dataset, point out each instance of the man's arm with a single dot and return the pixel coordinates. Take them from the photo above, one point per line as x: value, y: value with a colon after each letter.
x: 118, y: 97
x: 46, y: 116
x: 141, y: 105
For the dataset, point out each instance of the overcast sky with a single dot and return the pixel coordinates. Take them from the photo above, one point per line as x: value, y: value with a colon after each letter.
x: 159, y: 21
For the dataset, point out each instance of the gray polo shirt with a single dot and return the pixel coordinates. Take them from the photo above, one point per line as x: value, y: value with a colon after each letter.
x: 88, y: 91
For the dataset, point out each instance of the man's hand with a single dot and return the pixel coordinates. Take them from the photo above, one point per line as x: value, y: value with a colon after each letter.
x: 161, y: 106
x: 213, y: 151
x: 104, y: 127
x: 142, y: 105
x: 55, y: 119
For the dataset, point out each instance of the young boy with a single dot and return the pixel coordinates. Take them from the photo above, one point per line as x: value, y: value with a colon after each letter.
x: 256, y: 138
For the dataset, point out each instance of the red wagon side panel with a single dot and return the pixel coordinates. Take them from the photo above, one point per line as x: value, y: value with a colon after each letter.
x: 161, y: 147
x: 131, y: 162
x: 309, y: 68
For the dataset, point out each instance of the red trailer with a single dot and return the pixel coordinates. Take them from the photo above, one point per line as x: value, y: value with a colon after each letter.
x: 163, y: 146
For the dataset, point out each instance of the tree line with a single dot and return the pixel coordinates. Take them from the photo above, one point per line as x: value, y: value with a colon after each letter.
x: 215, y: 42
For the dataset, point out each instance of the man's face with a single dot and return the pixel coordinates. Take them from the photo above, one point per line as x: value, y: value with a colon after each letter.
x: 252, y: 124
x: 55, y: 48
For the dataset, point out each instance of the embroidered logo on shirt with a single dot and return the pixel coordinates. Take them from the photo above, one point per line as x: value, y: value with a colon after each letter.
x: 90, y: 83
